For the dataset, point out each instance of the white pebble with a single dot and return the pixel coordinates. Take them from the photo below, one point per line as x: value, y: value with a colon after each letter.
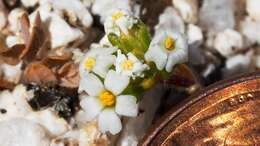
x: 75, y: 8
x: 15, y: 103
x: 217, y: 15
x: 251, y: 29
x: 238, y: 61
x: 13, y: 40
x: 253, y: 9
x: 3, y: 20
x: 29, y: 3
x: 21, y: 132
x: 77, y: 55
x: 14, y: 19
x: 228, y: 42
x: 188, y: 9
x: 170, y: 19
x: 194, y: 34
x: 54, y: 124
x: 12, y: 73
x: 257, y: 61
x: 61, y: 32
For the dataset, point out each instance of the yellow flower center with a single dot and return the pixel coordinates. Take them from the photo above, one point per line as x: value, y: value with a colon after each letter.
x: 127, y: 64
x: 89, y: 63
x: 107, y: 98
x: 169, y: 43
x: 117, y: 15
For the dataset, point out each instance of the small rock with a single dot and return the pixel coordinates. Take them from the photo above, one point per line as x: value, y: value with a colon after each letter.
x: 15, y: 103
x: 54, y: 124
x: 237, y: 60
x: 170, y: 19
x: 239, y: 63
x: 61, y: 32
x: 77, y: 55
x: 74, y: 8
x: 257, y: 61
x: 194, y: 34
x: 14, y: 19
x: 87, y: 3
x: 3, y: 20
x: 251, y: 29
x: 29, y: 3
x: 253, y: 9
x: 228, y: 42
x: 188, y: 9
x: 217, y: 15
x: 21, y: 132
x: 12, y: 73
x: 13, y: 40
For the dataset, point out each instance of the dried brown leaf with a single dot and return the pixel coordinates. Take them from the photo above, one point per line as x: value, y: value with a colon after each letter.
x: 11, y: 56
x: 69, y: 75
x: 3, y: 7
x: 25, y: 28
x: 43, y: 50
x: 65, y: 56
x: 35, y: 41
x: 3, y: 46
x: 5, y: 84
x: 39, y: 73
x: 54, y: 60
x: 182, y: 76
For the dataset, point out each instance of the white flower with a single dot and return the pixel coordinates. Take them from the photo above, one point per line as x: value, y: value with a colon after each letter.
x: 99, y: 59
x: 167, y: 49
x: 129, y: 65
x: 106, y: 101
x: 120, y: 21
x: 109, y: 6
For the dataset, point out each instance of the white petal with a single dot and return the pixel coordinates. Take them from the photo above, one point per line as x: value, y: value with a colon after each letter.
x: 116, y: 83
x: 176, y: 57
x: 132, y: 57
x: 101, y: 50
x: 82, y: 70
x: 122, y: 24
x: 103, y: 63
x: 181, y: 42
x: 157, y: 55
x: 126, y: 105
x: 119, y: 60
x: 91, y: 106
x: 91, y: 84
x: 109, y: 121
x: 110, y: 27
x: 159, y: 37
x: 180, y: 54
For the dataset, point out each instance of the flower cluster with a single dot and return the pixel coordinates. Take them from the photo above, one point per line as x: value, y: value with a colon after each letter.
x: 115, y: 75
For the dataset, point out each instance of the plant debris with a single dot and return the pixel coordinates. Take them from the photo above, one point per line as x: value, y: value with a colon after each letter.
x: 69, y: 75
x: 39, y: 74
x: 64, y: 100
